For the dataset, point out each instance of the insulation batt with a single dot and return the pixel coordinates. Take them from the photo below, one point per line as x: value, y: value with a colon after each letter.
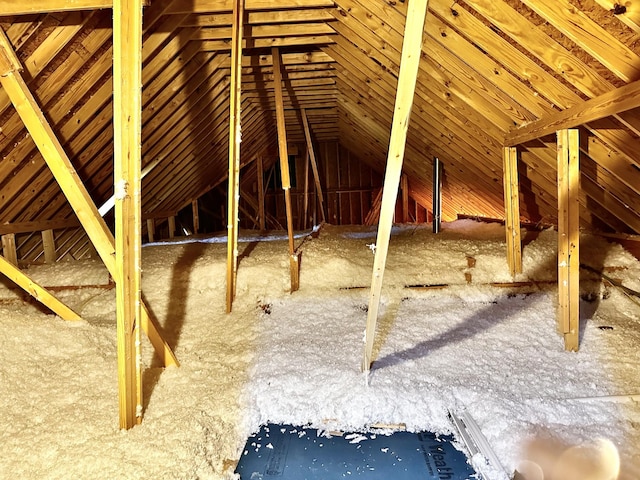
x: 295, y: 358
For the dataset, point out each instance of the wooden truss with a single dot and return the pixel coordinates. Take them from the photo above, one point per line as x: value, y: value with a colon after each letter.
x: 78, y: 196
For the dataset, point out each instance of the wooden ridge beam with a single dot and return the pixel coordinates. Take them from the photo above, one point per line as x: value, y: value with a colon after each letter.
x: 21, y: 279
x: 233, y: 198
x: 407, y: 78
x: 608, y: 104
x: 68, y: 179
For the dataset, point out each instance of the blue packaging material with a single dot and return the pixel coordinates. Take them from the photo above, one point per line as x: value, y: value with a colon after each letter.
x: 285, y: 452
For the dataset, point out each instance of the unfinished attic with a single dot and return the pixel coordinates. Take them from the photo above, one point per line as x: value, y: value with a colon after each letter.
x: 352, y: 216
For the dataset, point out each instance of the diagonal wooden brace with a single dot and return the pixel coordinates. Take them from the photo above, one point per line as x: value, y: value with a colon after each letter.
x: 69, y: 181
x: 36, y: 291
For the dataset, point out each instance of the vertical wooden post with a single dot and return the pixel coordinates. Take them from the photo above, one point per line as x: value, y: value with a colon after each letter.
x: 410, y: 60
x: 196, y: 216
x: 404, y: 182
x: 512, y: 209
x: 151, y: 229
x: 171, y: 221
x: 49, y: 246
x: 306, y: 189
x: 437, y: 194
x: 284, y: 165
x: 569, y: 237
x: 233, y: 197
x: 314, y: 163
x: 127, y: 138
x: 9, y: 251
x: 261, y: 213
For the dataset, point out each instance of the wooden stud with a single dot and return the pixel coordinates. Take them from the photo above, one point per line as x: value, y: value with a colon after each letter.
x: 314, y: 163
x: 305, y: 208
x: 9, y: 250
x: 569, y: 237
x: 404, y: 187
x: 512, y: 210
x: 151, y: 229
x: 196, y: 216
x: 410, y: 60
x: 36, y: 291
x: 437, y: 195
x: 69, y: 181
x: 127, y: 139
x: 171, y: 221
x: 261, y: 193
x: 284, y: 167
x: 233, y: 198
x: 49, y: 246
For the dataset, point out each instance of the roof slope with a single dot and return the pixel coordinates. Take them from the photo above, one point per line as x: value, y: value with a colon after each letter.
x: 487, y: 67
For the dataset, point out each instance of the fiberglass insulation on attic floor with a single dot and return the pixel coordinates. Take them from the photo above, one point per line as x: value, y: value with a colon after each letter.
x: 296, y: 358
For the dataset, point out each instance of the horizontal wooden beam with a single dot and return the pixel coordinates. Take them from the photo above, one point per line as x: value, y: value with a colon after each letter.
x: 13, y: 7
x: 225, y: 45
x: 608, y: 104
x: 213, y: 6
x: 38, y: 226
x: 260, y: 18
